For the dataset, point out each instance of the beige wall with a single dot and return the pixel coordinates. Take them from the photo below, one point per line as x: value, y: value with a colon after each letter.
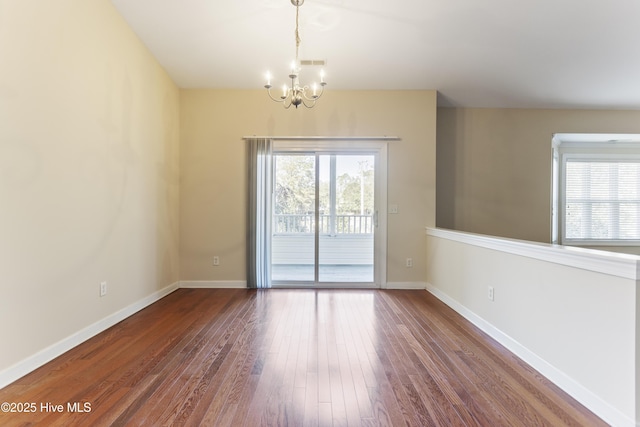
x: 494, y: 166
x: 212, y: 188
x: 88, y: 171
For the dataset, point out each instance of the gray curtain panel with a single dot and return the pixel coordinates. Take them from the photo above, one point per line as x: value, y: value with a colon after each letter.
x: 260, y: 168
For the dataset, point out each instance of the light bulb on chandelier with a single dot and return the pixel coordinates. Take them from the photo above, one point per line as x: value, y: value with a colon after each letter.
x: 297, y: 94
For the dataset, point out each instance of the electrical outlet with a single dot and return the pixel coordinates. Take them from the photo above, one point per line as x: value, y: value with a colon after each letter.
x: 409, y: 263
x: 490, y: 293
x: 103, y: 288
x: 216, y: 260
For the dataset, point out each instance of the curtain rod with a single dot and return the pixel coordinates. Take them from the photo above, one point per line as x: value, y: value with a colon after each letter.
x: 344, y: 138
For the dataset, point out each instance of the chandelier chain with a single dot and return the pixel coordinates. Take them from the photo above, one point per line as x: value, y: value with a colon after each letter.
x: 297, y: 31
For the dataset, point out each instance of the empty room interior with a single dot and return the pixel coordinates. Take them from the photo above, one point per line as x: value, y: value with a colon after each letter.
x: 430, y: 217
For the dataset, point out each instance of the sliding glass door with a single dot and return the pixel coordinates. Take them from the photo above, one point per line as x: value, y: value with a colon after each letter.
x: 325, y: 217
x: 294, y: 219
x: 347, y: 216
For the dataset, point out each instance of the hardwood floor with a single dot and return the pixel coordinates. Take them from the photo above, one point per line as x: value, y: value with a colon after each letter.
x: 292, y: 358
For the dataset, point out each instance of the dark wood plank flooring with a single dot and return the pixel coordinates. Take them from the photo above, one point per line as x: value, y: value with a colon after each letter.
x: 293, y: 358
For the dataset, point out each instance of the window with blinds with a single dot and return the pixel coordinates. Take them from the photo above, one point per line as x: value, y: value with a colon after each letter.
x: 602, y: 200
x: 595, y: 189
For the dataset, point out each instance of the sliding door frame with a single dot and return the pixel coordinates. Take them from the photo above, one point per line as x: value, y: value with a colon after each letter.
x: 379, y: 149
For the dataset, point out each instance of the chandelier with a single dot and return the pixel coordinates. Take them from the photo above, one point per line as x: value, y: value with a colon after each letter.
x: 297, y: 94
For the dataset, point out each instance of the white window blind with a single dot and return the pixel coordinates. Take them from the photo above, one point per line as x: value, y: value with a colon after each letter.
x: 602, y: 199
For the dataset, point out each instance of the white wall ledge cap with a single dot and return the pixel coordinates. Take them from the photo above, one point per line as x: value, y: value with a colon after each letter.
x: 612, y: 263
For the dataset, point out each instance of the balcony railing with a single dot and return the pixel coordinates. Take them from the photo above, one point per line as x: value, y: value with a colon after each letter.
x: 329, y: 224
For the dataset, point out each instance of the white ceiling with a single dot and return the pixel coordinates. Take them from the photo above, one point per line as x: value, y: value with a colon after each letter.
x: 494, y: 53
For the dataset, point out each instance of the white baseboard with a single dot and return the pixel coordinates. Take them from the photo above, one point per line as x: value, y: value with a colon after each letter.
x: 44, y: 356
x: 214, y: 284
x: 405, y: 285
x: 241, y: 284
x: 583, y: 395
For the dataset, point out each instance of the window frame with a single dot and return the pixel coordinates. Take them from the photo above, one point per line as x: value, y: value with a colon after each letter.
x: 588, y: 148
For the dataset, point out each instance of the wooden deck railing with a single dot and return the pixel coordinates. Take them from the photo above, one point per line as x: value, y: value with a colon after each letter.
x: 331, y: 225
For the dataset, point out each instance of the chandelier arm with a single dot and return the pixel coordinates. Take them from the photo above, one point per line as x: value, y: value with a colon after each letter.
x: 312, y: 102
x: 279, y: 99
x: 312, y: 97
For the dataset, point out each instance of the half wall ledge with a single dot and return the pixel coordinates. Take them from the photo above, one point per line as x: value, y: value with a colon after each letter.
x: 573, y: 314
x: 613, y: 263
